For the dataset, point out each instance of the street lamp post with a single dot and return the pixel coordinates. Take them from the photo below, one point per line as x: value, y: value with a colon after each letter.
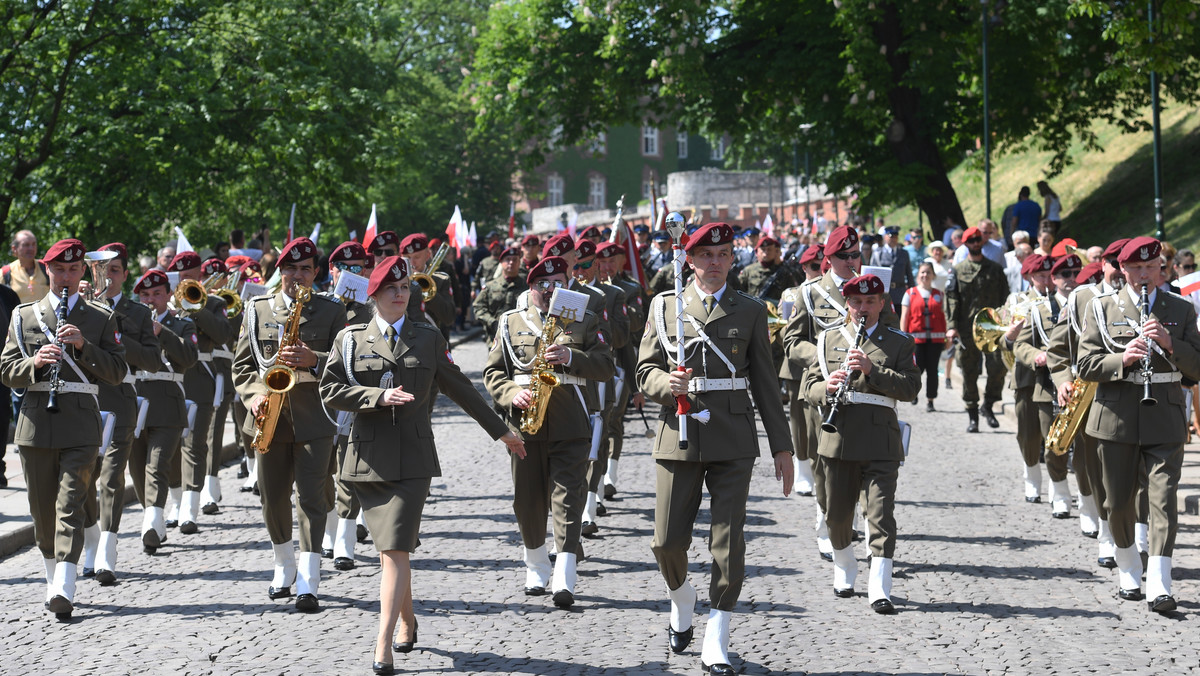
x: 1159, y: 224
x: 987, y: 141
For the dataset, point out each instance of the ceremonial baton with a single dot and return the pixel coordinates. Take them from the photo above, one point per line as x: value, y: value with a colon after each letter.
x: 675, y: 227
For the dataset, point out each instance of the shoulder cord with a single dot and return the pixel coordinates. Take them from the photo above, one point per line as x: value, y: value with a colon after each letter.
x: 841, y: 310
x: 660, y: 325
x: 252, y: 322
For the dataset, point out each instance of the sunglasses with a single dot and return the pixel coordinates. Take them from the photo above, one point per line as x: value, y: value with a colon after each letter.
x: 849, y: 256
x: 548, y: 286
x: 1068, y: 274
x: 1188, y: 268
x: 973, y: 240
x: 815, y: 267
x: 584, y: 266
x: 346, y: 267
x: 1113, y: 262
x: 384, y: 253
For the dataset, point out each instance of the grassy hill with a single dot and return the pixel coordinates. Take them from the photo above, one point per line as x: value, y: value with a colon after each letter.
x: 1105, y: 195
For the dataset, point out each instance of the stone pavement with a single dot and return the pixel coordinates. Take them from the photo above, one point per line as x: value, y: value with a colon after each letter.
x: 985, y: 584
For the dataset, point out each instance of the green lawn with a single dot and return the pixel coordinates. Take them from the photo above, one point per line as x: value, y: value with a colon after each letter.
x: 1105, y: 195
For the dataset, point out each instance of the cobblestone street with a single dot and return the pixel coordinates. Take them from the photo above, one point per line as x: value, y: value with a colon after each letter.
x: 984, y: 584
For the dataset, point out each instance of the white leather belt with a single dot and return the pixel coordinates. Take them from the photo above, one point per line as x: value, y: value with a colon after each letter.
x: 130, y: 379
x: 74, y: 388
x: 563, y: 379
x: 1172, y: 377
x: 205, y: 356
x: 223, y: 354
x: 700, y: 385
x: 161, y: 375
x: 872, y: 399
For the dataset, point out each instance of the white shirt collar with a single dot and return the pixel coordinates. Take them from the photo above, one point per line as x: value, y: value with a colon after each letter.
x: 162, y: 316
x: 871, y: 329
x: 116, y: 299
x: 720, y: 292
x: 71, y: 301
x: 1137, y: 295
x: 383, y: 325
x: 837, y: 280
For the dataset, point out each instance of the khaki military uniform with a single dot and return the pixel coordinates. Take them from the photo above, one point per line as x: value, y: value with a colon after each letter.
x: 58, y: 450
x: 213, y: 332
x: 552, y: 477
x: 971, y: 287
x: 721, y: 453
x: 497, y: 297
x: 347, y: 505
x: 1034, y: 390
x: 626, y: 360
x: 756, y: 278
x: 303, y: 440
x: 439, y: 310
x: 486, y: 272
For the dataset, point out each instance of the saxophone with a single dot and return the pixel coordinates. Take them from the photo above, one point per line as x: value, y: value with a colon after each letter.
x: 542, y: 381
x: 1066, y: 424
x: 279, y: 379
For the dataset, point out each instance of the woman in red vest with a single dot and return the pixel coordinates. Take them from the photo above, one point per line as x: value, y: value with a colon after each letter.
x: 922, y: 315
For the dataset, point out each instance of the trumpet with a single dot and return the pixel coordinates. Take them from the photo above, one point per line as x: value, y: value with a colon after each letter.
x: 229, y: 294
x: 189, y: 298
x: 425, y: 280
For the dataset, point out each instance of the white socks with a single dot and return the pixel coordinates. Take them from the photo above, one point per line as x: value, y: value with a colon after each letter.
x: 880, y: 585
x: 537, y: 567
x: 211, y: 491
x: 683, y: 606
x: 1104, y: 541
x: 252, y: 469
x: 285, y: 565
x: 331, y: 520
x: 716, y: 638
x: 173, y: 503
x: 804, y: 477
x: 1089, y: 514
x: 91, y: 540
x: 845, y: 568
x: 343, y: 541
x: 1129, y: 568
x: 1158, y: 577
x: 824, y: 545
x: 63, y: 583
x: 1060, y: 496
x: 610, y: 476
x: 1141, y: 536
x: 153, y: 520
x: 49, y: 565
x: 107, y: 552
x: 564, y: 573
x: 308, y: 575
x: 1033, y: 481
x: 589, y: 509
x: 189, y: 507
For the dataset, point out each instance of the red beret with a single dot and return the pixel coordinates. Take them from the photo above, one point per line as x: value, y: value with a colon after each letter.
x: 585, y: 248
x: 765, y: 241
x: 236, y: 262
x: 1036, y: 263
x: 213, y: 266
x: 1060, y: 249
x: 495, y: 247
x: 1090, y: 273
x: 185, y: 260
x: 385, y: 238
x: 413, y: 243
x: 511, y: 251
x: 812, y: 254
x: 151, y: 279
x: 122, y: 252
x: 609, y: 250
x: 843, y: 238
x: 1113, y: 250
x: 390, y: 269
x: 297, y: 250
x: 590, y: 231
x: 65, y: 250
x: 1070, y: 264
x: 370, y: 260
x: 251, y: 264
x: 554, y: 265
x: 348, y: 251
x: 529, y: 240
x: 972, y: 232
x: 863, y: 285
x: 713, y: 234
x: 1140, y: 249
x: 557, y: 246
x: 435, y: 243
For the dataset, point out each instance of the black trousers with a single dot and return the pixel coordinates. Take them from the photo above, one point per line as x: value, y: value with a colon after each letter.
x: 928, y: 357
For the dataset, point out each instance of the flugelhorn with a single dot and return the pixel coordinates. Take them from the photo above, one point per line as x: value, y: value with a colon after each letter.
x: 189, y: 298
x: 425, y: 280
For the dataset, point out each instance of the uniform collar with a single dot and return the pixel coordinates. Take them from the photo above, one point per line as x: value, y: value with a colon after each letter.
x: 717, y: 296
x: 383, y: 325
x: 1137, y: 295
x: 72, y: 300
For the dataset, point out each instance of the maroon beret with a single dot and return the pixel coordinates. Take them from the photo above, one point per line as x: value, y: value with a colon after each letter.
x: 212, y: 266
x: 385, y: 238
x: 553, y: 265
x: 609, y: 250
x: 765, y: 241
x: 1068, y: 263
x: 65, y: 250
x: 1113, y: 250
x: 843, y: 238
x: 585, y: 248
x: 1036, y: 263
x: 236, y: 262
x: 712, y: 234
x: 184, y: 260
x: 590, y: 231
x: 390, y: 269
x: 511, y: 251
x: 557, y: 245
x: 370, y: 260
x: 151, y: 279
x: 1140, y: 249
x: 413, y: 243
x: 297, y: 250
x: 1091, y: 273
x: 863, y: 285
x: 348, y: 251
x: 122, y: 252
x: 812, y: 254
x: 529, y: 240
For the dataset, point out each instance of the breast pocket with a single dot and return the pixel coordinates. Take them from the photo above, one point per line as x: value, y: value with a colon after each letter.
x: 314, y: 339
x: 417, y: 375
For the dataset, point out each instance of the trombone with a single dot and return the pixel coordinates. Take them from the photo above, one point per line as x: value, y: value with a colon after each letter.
x: 425, y: 280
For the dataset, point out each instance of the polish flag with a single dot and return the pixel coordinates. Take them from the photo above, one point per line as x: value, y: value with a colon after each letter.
x: 768, y: 227
x: 456, y: 232
x: 1189, y: 283
x: 512, y: 218
x: 372, y: 229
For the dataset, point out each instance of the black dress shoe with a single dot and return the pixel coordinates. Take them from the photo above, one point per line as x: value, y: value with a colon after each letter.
x: 1130, y: 594
x: 60, y: 614
x: 601, y: 510
x: 589, y: 529
x: 609, y: 491
x: 407, y: 646
x: 844, y: 593
x: 989, y: 417
x: 1093, y: 534
x: 564, y: 599
x: 805, y: 494
x: 535, y: 591
x: 279, y: 592
x: 343, y: 563
x: 383, y: 668
x: 89, y: 572
x: 188, y: 528
x: 1106, y: 562
x: 826, y: 556
x: 172, y: 523
x: 106, y: 578
x: 244, y: 488
x: 679, y: 640
x: 360, y: 532
x: 326, y: 553
x: 1163, y: 604
x: 1037, y: 499
x: 307, y: 603
x: 243, y: 471
x: 210, y: 508
x: 151, y: 542
x: 972, y: 421
x: 883, y: 607
x: 254, y: 489
x: 718, y: 669
x: 1061, y: 515
x: 929, y: 407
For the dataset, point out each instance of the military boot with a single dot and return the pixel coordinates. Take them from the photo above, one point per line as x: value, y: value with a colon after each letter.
x: 989, y: 416
x: 973, y: 424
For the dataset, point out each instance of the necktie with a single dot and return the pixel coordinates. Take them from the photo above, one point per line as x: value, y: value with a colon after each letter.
x: 391, y: 338
x: 709, y: 304
x: 111, y: 303
x: 1053, y: 309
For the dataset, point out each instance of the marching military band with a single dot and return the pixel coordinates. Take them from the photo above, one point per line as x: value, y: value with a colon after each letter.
x: 332, y: 395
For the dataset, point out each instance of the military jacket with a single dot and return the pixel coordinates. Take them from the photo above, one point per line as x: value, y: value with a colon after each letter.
x: 178, y: 352
x: 865, y: 431
x: 390, y: 443
x: 755, y: 277
x: 486, y: 272
x: 213, y: 332
x: 1033, y: 339
x: 512, y: 354
x: 135, y: 324
x: 496, y: 298
x: 1116, y: 413
x: 737, y: 328
x: 321, y: 320
x: 102, y: 360
x: 970, y: 287
x: 1063, y: 354
x: 819, y: 305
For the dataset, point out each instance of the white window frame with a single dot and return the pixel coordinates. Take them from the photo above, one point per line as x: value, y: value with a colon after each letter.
x: 599, y: 145
x: 717, y: 149
x: 597, y: 191
x: 650, y: 141
x: 681, y: 144
x: 555, y: 189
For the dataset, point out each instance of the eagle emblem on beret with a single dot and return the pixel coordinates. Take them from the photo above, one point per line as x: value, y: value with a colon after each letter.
x: 716, y: 236
x: 396, y: 271
x: 68, y: 255
x: 1144, y: 252
x: 549, y: 266
x: 864, y: 286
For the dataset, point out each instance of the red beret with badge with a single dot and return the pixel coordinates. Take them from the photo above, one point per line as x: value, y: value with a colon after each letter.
x: 557, y: 246
x: 1113, y: 250
x: 251, y: 265
x: 529, y: 240
x: 812, y: 254
x: 1036, y: 263
x: 348, y: 251
x: 413, y: 243
x: 213, y: 266
x: 843, y: 238
x: 609, y: 250
x: 589, y: 232
x: 390, y: 269
x: 863, y: 285
x: 1140, y: 250
x: 385, y: 238
x: 712, y: 234
x: 971, y: 233
x: 301, y: 248
x: 122, y: 252
x: 585, y: 248
x: 511, y: 251
x: 151, y: 279
x: 236, y: 262
x: 65, y: 251
x: 1092, y: 273
x: 184, y: 260
x: 554, y: 265
x: 1066, y: 263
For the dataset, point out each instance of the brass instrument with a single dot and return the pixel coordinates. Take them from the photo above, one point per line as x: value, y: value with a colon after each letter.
x: 542, y: 381
x: 775, y: 322
x: 279, y: 379
x: 189, y: 298
x: 1066, y: 424
x: 94, y: 260
x: 425, y: 280
x: 987, y: 330
x: 1147, y: 369
x: 228, y: 293
x: 60, y: 314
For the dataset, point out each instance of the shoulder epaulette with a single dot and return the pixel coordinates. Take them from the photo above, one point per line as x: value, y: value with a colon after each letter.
x: 743, y: 294
x: 95, y: 304
x: 426, y: 325
x: 899, y: 332
x: 323, y: 297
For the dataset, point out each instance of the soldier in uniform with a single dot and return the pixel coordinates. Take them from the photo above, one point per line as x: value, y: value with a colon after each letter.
x: 58, y: 448
x: 222, y: 364
x: 531, y: 248
x: 728, y: 362
x: 303, y: 439
x: 248, y: 269
x: 864, y: 376
x: 972, y: 285
x: 500, y: 295
x: 384, y: 244
x: 439, y: 310
x: 157, y: 443
x: 810, y: 263
x: 768, y: 276
x: 202, y: 384
x: 485, y: 272
x: 553, y: 477
x: 1117, y: 343
x: 107, y: 493
x: 662, y: 252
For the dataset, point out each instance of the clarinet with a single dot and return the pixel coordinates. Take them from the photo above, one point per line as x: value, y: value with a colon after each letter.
x: 828, y: 425
x: 1147, y: 371
x: 61, y: 317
